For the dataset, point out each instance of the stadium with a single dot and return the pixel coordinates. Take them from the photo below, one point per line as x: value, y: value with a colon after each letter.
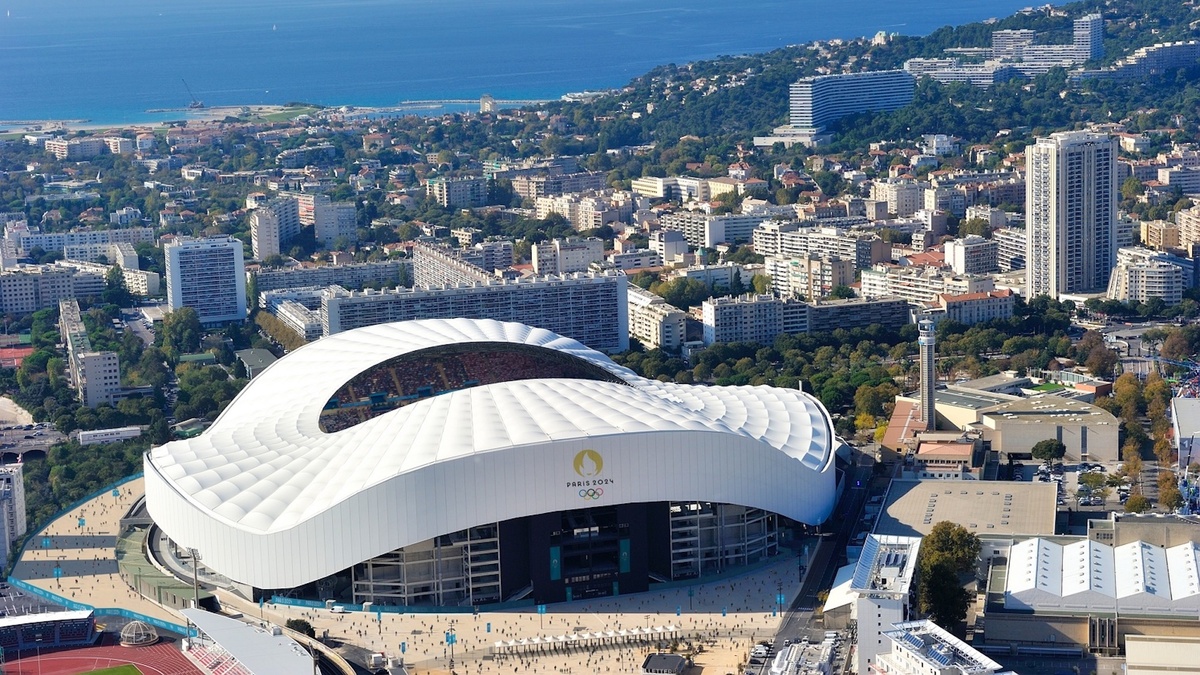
x: 466, y: 462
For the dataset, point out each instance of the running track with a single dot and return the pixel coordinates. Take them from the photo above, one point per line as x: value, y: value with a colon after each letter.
x: 159, y: 659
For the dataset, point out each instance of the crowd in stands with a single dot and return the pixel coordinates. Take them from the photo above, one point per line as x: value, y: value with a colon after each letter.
x: 411, y: 377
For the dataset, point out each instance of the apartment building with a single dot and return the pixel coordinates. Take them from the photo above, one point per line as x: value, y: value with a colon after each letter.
x: 565, y: 256
x: 92, y: 278
x: 12, y: 505
x: 808, y: 277
x: 75, y: 148
x: 465, y: 192
x: 273, y: 225
x: 761, y: 318
x: 1010, y: 249
x: 816, y: 102
x: 588, y: 210
x: 1070, y: 213
x: 208, y: 275
x: 636, y: 259
x: 972, y: 255
x: 334, y: 221
x: 1188, y: 222
x: 701, y: 230
x: 920, y: 284
x: 353, y: 275
x: 26, y: 237
x: 125, y: 216
x: 670, y: 245
x: 27, y: 288
x: 903, y: 197
x: 95, y: 375
x: 121, y: 254
x: 1140, y: 280
x: 653, y: 322
x: 865, y: 249
x: 491, y: 255
x: 532, y: 187
x: 973, y: 308
x: 591, y: 308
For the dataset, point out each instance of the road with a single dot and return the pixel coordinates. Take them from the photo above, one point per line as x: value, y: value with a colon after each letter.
x: 13, y: 439
x: 824, y: 563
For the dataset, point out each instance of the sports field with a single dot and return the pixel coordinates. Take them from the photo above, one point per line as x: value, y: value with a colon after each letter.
x: 159, y: 659
x: 119, y: 670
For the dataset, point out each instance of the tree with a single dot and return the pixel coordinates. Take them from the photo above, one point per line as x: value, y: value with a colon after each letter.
x: 958, y: 544
x: 977, y: 226
x: 181, y: 331
x: 1048, y: 450
x: 1137, y: 504
x: 301, y: 626
x: 841, y: 293
x: 115, y: 291
x: 761, y: 283
x: 940, y: 595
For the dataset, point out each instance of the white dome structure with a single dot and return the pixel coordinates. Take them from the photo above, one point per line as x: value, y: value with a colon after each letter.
x: 380, y: 438
x: 138, y: 634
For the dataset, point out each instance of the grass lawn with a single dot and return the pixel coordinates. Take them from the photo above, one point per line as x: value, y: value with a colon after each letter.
x: 119, y: 670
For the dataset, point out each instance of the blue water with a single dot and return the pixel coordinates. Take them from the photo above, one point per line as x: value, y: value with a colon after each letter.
x: 110, y: 61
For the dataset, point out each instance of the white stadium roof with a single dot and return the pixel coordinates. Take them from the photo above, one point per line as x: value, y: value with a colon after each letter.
x: 271, y: 500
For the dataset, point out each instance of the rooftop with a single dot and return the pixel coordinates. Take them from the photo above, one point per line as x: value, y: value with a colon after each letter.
x: 939, y: 649
x: 968, y: 398
x: 1050, y: 409
x: 260, y: 652
x: 913, y: 507
x: 887, y: 565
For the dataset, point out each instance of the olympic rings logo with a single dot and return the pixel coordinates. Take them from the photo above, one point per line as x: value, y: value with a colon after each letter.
x: 591, y: 493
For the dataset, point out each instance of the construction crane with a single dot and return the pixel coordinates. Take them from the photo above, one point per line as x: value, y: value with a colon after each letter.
x: 196, y: 103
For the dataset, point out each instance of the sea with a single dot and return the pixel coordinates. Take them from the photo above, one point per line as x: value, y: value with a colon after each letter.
x: 111, y: 61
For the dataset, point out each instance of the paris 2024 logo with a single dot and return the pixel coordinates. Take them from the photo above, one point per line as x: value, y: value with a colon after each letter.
x: 588, y: 465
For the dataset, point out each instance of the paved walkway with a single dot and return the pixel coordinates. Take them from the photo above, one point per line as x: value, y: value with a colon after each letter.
x: 747, y: 602
x: 83, y: 546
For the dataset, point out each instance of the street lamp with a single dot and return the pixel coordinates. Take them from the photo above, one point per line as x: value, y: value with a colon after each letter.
x: 451, y: 639
x: 195, y: 578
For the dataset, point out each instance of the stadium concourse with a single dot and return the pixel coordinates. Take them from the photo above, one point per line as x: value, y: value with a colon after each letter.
x: 82, y: 547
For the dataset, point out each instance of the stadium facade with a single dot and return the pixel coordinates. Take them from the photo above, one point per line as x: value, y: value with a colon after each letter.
x: 468, y: 462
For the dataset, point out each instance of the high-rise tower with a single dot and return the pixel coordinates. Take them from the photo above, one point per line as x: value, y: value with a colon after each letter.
x: 925, y: 342
x: 1070, y: 213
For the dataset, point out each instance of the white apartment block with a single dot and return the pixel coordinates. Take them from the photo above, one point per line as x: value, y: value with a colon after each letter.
x: 75, y: 148
x: 96, y: 376
x: 654, y: 187
x: 749, y: 318
x: 121, y: 254
x: 670, y: 245
x: 335, y: 221
x: 28, y: 288
x: 588, y: 210
x: 208, y: 275
x: 1070, y: 213
x: 920, y: 284
x: 465, y: 192
x: 125, y: 216
x: 1187, y: 179
x: 137, y: 282
x: 767, y: 238
x: 816, y: 102
x: 12, y: 500
x: 306, y: 204
x: 903, y: 198
x: 705, y: 231
x: 435, y: 265
x: 26, y: 237
x: 637, y: 259
x: 1188, y: 221
x: 995, y: 217
x: 972, y: 255
x: 1010, y: 248
x: 591, y: 308
x: 565, y: 256
x: 354, y: 275
x: 809, y: 277
x: 950, y: 200
x: 1139, y: 281
x: 119, y: 146
x: 273, y: 225
x: 532, y: 187
x: 653, y: 322
x: 721, y: 275
x: 864, y: 249
x: 496, y: 254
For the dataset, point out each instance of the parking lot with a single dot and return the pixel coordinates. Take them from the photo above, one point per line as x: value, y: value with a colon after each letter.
x: 14, y: 602
x: 1081, y: 487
